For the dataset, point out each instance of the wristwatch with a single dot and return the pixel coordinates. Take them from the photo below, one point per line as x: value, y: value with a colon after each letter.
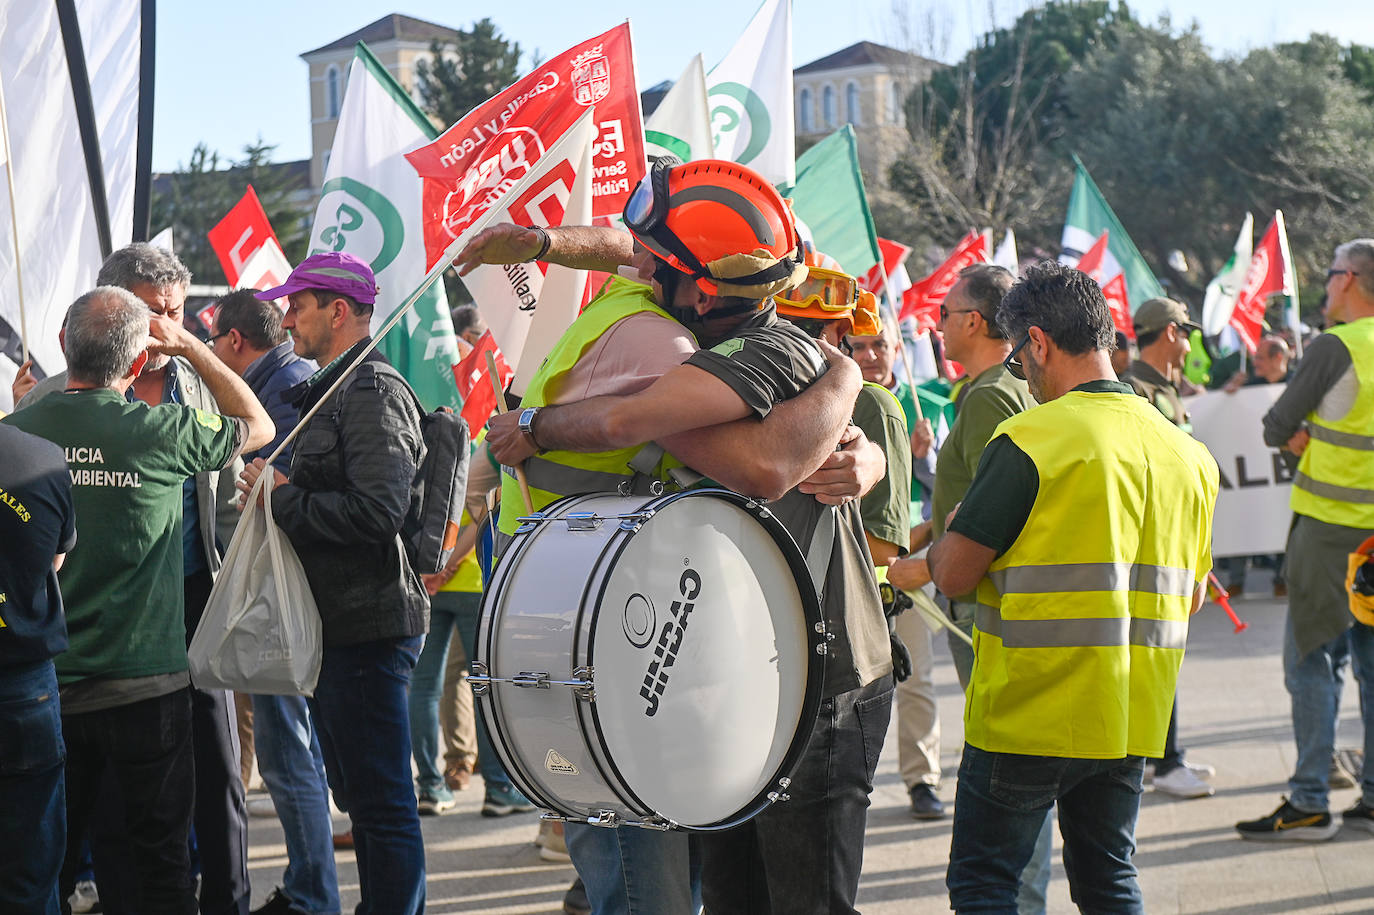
x: 526, y: 425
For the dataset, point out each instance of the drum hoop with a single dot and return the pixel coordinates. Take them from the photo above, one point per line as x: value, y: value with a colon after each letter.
x: 815, y: 677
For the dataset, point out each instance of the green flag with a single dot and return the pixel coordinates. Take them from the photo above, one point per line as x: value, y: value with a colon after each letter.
x: 370, y: 207
x: 829, y: 198
x: 1088, y: 216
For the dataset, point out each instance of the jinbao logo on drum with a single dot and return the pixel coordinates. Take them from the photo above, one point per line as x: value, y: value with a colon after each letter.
x: 640, y: 621
x: 669, y: 640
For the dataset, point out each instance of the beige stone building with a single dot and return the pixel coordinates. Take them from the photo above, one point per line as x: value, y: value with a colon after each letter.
x: 865, y: 85
x: 397, y: 41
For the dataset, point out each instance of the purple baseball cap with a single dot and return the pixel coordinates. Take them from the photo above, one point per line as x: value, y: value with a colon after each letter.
x: 331, y: 272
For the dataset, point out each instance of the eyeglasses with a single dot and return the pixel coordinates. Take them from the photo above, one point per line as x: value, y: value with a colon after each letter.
x: 1018, y: 371
x: 211, y: 341
x: 945, y: 312
x: 1331, y: 273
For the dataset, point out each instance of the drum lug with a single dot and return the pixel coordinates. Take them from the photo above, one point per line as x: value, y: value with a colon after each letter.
x: 530, y: 522
x: 607, y: 818
x: 634, y: 522
x: 585, y: 688
x: 583, y: 521
x: 780, y: 795
x: 824, y: 629
x: 478, y: 679
x: 656, y: 823
x: 553, y: 817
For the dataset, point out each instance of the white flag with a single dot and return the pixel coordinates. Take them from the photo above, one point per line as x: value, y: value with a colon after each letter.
x: 111, y: 31
x: 529, y: 306
x: 681, y: 124
x: 370, y: 207
x: 750, y: 92
x: 1005, y: 255
x: 1220, y: 299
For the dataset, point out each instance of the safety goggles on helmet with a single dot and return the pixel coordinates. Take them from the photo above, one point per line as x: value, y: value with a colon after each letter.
x: 824, y: 290
x: 648, y: 204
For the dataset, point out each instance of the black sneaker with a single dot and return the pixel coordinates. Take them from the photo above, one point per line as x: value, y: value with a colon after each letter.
x: 575, y: 900
x: 277, y: 904
x: 924, y: 804
x: 1289, y: 824
x: 1359, y: 817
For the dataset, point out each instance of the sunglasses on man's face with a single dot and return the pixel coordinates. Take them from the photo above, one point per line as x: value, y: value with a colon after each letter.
x: 1013, y: 362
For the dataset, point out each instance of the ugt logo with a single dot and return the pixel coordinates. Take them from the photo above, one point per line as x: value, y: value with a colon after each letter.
x: 670, y: 641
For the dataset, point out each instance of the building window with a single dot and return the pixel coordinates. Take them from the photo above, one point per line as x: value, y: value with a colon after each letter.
x: 331, y: 92
x: 804, y: 110
x: 828, y: 105
x: 894, y: 102
x: 851, y: 104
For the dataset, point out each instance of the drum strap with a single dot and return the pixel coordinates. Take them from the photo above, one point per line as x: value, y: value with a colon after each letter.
x: 645, y: 465
x: 818, y: 553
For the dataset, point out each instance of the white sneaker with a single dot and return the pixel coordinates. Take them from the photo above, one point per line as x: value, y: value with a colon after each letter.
x: 84, y: 898
x: 261, y: 806
x: 1183, y: 782
x: 1202, y: 770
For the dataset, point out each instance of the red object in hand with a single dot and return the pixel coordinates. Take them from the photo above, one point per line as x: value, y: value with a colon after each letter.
x: 1225, y: 600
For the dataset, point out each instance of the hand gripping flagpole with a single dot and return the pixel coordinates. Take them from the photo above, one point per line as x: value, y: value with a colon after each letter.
x: 495, y: 375
x: 14, y: 218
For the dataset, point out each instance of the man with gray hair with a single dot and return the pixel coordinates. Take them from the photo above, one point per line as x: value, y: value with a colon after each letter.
x: 124, y: 689
x: 160, y: 280
x: 1325, y: 416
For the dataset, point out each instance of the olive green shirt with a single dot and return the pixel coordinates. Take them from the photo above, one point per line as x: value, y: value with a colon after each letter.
x: 1146, y: 381
x: 886, y: 508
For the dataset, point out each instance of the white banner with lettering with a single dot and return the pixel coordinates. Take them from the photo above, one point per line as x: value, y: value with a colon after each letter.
x: 1252, y: 515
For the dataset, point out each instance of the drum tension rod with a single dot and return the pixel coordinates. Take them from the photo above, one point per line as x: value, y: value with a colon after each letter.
x: 581, y: 684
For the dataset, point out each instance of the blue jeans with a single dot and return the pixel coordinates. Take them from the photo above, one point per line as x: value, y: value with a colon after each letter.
x: 1035, y: 876
x: 427, y: 685
x: 804, y: 855
x: 633, y: 871
x: 1314, y: 684
x: 33, y: 811
x: 292, y: 767
x: 1000, y: 808
x: 466, y: 617
x: 360, y: 707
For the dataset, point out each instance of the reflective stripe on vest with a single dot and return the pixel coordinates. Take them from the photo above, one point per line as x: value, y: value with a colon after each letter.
x: 1093, y: 576
x: 562, y: 478
x: 1335, y: 478
x: 1088, y: 633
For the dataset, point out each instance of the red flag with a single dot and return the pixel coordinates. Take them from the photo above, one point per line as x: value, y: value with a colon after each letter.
x: 466, y: 171
x: 925, y: 298
x: 474, y: 386
x: 1119, y: 303
x: 1091, y: 261
x: 1263, y: 279
x: 894, y: 255
x: 239, y: 235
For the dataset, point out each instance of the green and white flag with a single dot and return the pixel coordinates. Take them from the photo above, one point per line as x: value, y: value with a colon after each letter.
x: 829, y: 197
x: 681, y: 124
x: 370, y: 207
x: 750, y: 92
x: 1220, y: 299
x: 1088, y: 216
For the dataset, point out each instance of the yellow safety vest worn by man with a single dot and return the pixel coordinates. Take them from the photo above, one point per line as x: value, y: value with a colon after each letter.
x: 1081, y: 623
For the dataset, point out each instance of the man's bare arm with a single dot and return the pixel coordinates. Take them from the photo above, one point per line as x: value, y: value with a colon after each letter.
x: 581, y: 247
x: 958, y: 563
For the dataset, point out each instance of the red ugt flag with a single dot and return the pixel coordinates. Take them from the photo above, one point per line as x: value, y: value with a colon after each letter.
x: 1263, y: 279
x: 469, y: 168
x: 925, y: 298
x: 1119, y: 304
x: 479, y: 400
x: 1091, y: 261
x: 238, y: 236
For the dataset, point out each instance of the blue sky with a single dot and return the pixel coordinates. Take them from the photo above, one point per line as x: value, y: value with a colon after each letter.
x: 228, y: 73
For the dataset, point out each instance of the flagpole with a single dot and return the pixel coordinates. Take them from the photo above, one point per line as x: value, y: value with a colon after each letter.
x: 14, y: 219
x: 901, y: 344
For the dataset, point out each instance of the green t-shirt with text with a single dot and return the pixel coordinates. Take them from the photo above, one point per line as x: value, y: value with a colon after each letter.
x: 122, y: 584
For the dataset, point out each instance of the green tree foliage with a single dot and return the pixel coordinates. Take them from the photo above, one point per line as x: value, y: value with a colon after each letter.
x: 463, y: 74
x: 1183, y: 144
x: 196, y: 196
x: 979, y: 128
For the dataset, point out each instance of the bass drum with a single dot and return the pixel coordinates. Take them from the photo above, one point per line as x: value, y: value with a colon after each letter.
x: 651, y: 661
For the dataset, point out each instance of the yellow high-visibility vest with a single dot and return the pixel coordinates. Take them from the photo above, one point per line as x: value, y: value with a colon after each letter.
x: 1080, y: 625
x: 1335, y: 479
x: 555, y: 474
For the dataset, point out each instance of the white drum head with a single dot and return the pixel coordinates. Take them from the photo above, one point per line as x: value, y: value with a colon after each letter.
x: 702, y: 615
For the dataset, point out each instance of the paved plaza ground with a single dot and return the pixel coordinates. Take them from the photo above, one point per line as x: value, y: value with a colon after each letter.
x: 1234, y: 714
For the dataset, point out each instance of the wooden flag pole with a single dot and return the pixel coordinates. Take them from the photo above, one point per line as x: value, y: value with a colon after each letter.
x: 495, y: 375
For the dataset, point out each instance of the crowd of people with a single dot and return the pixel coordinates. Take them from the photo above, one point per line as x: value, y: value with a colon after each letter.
x: 1059, y: 530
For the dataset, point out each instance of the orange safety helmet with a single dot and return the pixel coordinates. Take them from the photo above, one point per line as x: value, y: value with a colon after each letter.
x: 721, y: 224
x: 1359, y: 582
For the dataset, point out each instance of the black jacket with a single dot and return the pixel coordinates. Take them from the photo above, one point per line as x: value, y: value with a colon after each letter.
x: 352, y: 473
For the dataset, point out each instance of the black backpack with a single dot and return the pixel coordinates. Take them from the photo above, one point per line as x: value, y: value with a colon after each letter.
x: 430, y: 531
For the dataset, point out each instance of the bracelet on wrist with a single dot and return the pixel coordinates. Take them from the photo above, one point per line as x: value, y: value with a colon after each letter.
x: 545, y: 240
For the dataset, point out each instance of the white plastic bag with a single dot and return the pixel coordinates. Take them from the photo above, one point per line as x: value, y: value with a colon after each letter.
x: 261, y: 630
